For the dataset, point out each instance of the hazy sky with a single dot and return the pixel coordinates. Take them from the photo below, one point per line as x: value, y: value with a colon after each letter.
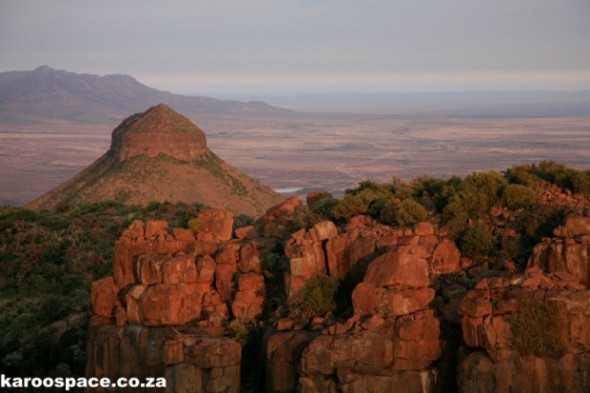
x: 294, y: 46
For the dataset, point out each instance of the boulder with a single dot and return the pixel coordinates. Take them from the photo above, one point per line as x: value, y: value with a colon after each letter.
x: 282, y: 357
x: 103, y: 295
x: 446, y: 258
x: 167, y: 304
x: 216, y: 222
x: 404, y: 267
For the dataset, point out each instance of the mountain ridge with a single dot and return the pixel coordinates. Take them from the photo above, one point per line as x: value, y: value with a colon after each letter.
x: 30, y: 96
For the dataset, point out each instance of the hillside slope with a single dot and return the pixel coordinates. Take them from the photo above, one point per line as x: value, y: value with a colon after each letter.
x: 160, y: 155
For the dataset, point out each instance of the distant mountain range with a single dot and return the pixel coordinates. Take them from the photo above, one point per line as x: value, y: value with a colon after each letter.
x: 540, y: 103
x: 28, y: 96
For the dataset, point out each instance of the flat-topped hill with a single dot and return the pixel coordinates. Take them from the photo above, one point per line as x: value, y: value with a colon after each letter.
x: 159, y: 155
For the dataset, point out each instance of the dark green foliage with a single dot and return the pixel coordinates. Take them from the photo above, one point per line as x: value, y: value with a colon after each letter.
x: 393, y: 204
x: 536, y: 329
x: 436, y: 192
x: 404, y: 213
x: 477, y: 242
x: 567, y: 178
x: 324, y: 208
x: 303, y: 218
x: 480, y: 191
x: 410, y: 212
x: 47, y: 261
x: 317, y: 298
x: 242, y: 220
x: 352, y: 205
x: 517, y: 196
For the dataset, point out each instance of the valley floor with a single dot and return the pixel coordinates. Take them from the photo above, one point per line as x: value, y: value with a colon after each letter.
x: 310, y: 151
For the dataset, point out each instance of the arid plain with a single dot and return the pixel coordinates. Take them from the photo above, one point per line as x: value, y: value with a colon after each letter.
x: 310, y: 151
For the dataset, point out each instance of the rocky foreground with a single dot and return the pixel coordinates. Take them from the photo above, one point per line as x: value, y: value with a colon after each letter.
x: 422, y: 318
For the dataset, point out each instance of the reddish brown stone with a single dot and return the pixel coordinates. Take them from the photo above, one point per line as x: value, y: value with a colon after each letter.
x: 224, y: 274
x: 156, y: 229
x: 228, y: 253
x: 135, y: 231
x: 178, y: 270
x: 323, y: 230
x: 164, y: 304
x: 424, y: 229
x: 132, y: 297
x: 185, y: 235
x: 217, y: 222
x: 247, y: 232
x: 148, y: 268
x: 103, y: 295
x: 404, y: 267
x: 338, y: 261
x: 247, y: 304
x: 205, y: 268
x: 249, y: 260
x: 251, y: 282
x: 476, y: 304
x: 446, y: 258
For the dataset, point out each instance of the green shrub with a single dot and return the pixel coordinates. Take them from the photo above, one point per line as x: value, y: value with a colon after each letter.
x: 410, y: 212
x: 359, y: 200
x: 317, y: 298
x: 350, y: 206
x: 455, y: 215
x: 568, y: 178
x: 406, y: 212
x: 325, y: 207
x: 476, y: 242
x: 517, y: 196
x: 239, y: 330
x: 481, y: 191
x: 195, y: 225
x: 523, y: 175
x: 536, y: 328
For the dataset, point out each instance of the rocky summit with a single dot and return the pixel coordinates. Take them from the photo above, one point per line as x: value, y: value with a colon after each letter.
x: 159, y: 155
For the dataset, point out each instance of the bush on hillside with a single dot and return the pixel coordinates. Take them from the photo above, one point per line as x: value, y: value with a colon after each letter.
x: 317, y: 298
x: 476, y: 243
x: 517, y: 196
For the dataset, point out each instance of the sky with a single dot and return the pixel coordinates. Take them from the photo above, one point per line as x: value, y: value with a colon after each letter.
x: 306, y: 46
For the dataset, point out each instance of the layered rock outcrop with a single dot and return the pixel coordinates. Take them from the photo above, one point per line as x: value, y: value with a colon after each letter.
x: 167, y: 308
x: 529, y: 333
x: 168, y: 280
x: 568, y: 251
x: 159, y: 130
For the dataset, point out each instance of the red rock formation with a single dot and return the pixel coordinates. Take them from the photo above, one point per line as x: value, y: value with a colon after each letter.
x: 498, y: 364
x: 159, y: 130
x: 216, y: 222
x: 162, y: 280
x: 567, y: 253
x: 275, y: 222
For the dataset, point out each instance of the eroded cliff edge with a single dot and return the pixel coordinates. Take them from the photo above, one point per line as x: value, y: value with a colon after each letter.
x: 416, y: 315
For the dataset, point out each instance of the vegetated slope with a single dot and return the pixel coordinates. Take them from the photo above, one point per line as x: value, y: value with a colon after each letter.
x: 56, y: 94
x: 160, y: 155
x: 47, y: 261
